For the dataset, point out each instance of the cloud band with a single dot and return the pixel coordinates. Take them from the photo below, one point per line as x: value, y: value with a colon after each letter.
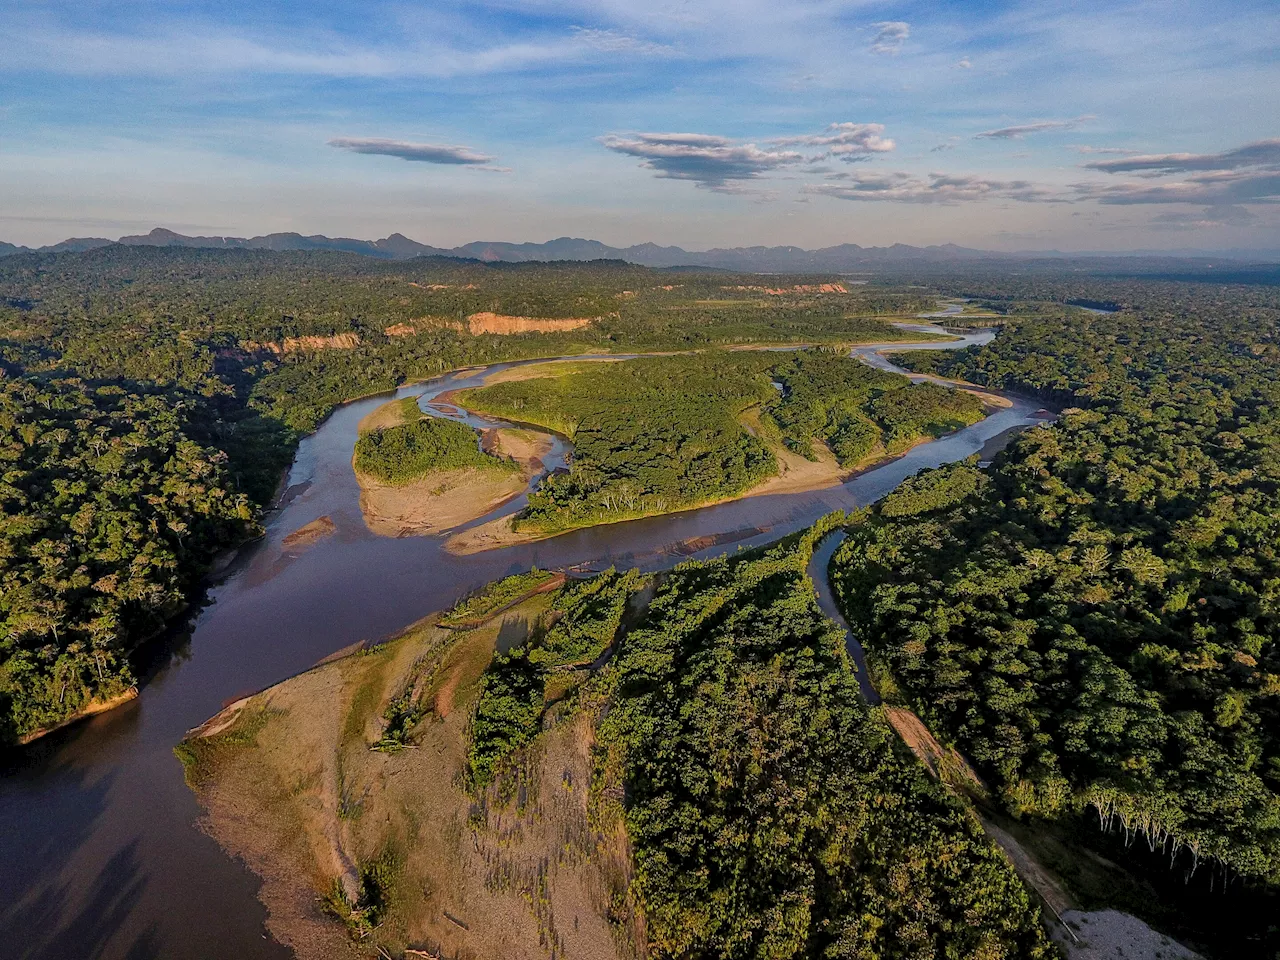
x: 416, y: 152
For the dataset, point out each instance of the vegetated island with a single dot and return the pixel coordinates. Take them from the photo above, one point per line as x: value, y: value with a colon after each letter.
x: 421, y: 474
x: 660, y: 434
x: 622, y: 766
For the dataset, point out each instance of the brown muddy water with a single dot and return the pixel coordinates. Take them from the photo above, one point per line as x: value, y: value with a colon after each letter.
x: 100, y: 852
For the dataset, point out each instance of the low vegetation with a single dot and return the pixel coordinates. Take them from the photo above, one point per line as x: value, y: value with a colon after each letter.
x: 347, y: 787
x: 481, y: 605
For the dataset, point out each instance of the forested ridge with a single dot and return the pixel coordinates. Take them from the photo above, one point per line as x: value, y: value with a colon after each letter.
x: 152, y: 398
x: 1093, y: 620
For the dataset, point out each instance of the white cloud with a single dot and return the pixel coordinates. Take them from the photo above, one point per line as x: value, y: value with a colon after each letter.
x: 717, y: 163
x: 1019, y: 131
x: 1086, y: 149
x: 709, y: 161
x: 614, y: 41
x: 849, y: 141
x: 418, y: 152
x: 890, y: 36
x: 178, y: 48
x: 1243, y: 175
x: 1263, y: 154
x: 937, y: 188
x: 1215, y: 188
x: 964, y: 63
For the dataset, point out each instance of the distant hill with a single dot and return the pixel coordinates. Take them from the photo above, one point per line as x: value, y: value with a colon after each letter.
x: 841, y: 258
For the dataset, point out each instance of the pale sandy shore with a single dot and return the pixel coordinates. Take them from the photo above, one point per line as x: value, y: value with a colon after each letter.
x: 289, y: 784
x: 436, y: 503
x: 1112, y: 935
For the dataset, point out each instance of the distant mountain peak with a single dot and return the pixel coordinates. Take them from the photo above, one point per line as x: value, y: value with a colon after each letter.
x: 841, y: 258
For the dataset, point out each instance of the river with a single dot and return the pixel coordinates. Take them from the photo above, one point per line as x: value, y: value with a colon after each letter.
x: 101, y: 854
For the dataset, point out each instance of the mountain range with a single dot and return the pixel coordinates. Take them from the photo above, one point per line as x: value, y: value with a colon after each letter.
x: 843, y: 257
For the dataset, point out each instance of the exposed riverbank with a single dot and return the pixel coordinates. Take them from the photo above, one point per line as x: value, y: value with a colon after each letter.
x: 94, y: 708
x: 310, y: 802
x: 439, y: 502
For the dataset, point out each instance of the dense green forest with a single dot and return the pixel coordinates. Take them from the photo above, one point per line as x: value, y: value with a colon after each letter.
x: 216, y: 321
x: 771, y: 812
x: 153, y: 397
x: 110, y: 512
x: 856, y: 409
x: 658, y: 434
x: 1094, y: 619
x: 410, y: 451
x: 649, y: 435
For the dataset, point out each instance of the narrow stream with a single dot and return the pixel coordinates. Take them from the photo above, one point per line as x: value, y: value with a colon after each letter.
x: 99, y: 845
x: 819, y: 563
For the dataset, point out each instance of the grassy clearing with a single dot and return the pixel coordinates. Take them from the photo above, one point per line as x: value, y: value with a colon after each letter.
x: 202, y: 755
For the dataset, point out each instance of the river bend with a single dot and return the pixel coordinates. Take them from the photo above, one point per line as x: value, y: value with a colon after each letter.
x: 100, y: 849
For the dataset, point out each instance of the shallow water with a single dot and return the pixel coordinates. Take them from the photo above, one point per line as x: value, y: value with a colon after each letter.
x: 98, y: 840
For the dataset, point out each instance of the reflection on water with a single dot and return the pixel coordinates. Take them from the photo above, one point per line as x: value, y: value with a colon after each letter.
x: 101, y: 856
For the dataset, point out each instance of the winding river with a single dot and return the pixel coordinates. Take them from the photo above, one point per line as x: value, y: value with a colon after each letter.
x: 100, y: 850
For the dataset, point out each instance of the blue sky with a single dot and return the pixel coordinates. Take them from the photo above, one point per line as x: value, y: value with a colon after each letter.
x: 1011, y: 125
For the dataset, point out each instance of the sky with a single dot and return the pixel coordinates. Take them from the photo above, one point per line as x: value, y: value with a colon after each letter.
x: 1089, y: 125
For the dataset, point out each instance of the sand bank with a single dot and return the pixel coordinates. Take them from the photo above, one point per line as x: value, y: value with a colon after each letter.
x: 435, y: 503
x: 450, y: 498
x: 289, y: 784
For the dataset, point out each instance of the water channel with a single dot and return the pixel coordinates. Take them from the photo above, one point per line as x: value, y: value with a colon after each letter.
x: 100, y: 852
